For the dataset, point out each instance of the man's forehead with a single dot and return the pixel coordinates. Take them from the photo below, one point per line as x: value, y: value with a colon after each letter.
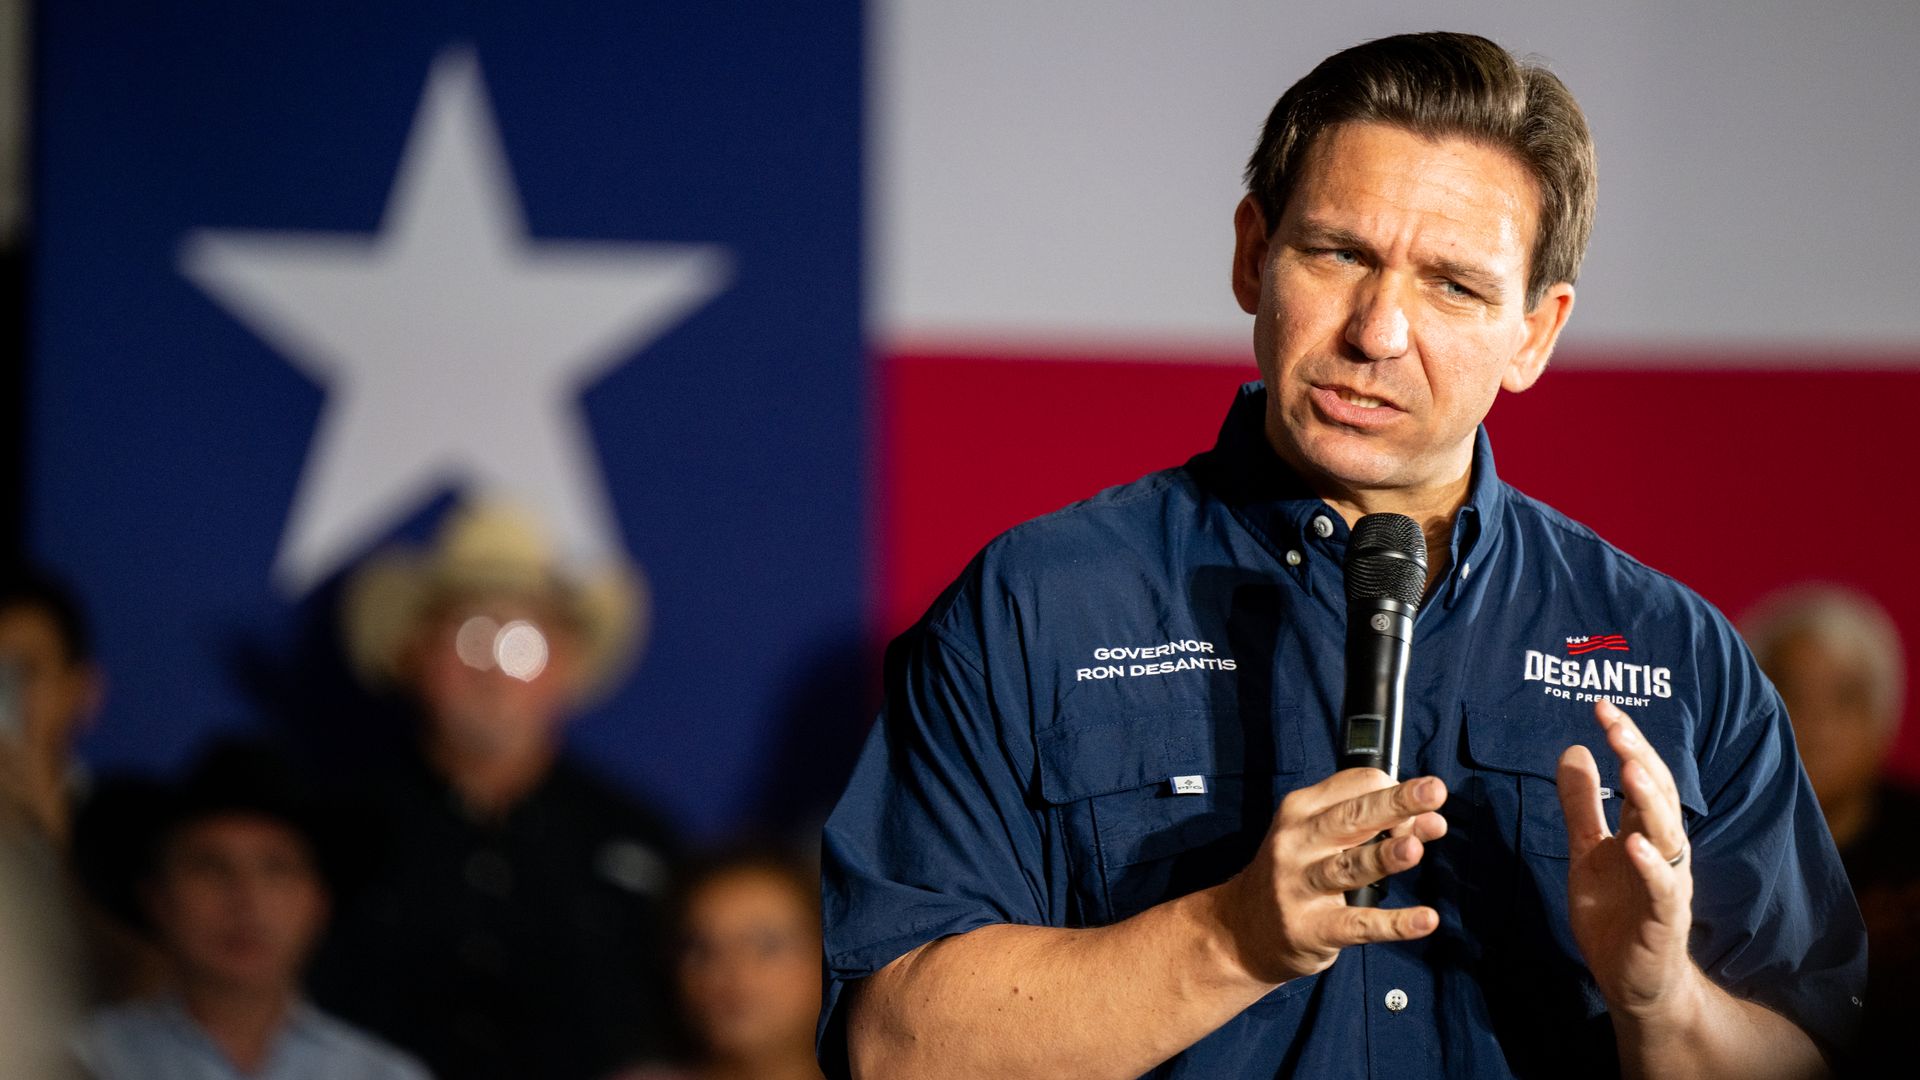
x: 1466, y: 180
x: 238, y: 828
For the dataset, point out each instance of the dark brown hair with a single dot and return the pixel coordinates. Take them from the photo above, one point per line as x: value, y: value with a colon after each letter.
x: 799, y: 875
x: 1443, y: 84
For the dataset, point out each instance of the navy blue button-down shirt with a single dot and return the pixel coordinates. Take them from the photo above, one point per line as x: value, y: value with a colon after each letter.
x: 1105, y: 710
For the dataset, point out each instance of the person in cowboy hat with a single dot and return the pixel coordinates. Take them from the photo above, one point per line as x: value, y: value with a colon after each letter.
x: 229, y: 873
x: 514, y: 923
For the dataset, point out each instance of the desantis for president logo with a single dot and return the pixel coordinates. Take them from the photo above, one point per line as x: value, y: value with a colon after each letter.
x: 1620, y: 681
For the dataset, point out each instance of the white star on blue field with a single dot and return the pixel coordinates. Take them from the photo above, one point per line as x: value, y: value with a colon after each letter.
x: 453, y: 348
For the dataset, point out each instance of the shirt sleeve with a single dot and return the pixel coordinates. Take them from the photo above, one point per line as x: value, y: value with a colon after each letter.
x: 935, y: 835
x: 1774, y: 919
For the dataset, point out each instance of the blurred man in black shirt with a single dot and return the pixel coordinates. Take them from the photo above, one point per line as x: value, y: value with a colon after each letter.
x: 515, y: 924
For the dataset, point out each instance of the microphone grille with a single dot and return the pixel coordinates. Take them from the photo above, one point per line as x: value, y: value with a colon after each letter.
x: 1386, y: 558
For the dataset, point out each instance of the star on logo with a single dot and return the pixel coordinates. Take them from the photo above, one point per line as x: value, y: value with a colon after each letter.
x: 453, y: 348
x: 1582, y: 644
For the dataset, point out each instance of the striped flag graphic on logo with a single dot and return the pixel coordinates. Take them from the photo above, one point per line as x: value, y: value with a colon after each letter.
x: 1579, y: 646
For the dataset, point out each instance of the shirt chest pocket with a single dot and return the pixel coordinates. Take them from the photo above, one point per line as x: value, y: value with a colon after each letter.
x: 1518, y: 756
x: 1159, y: 805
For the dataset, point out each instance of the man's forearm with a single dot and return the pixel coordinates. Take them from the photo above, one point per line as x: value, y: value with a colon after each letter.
x: 1716, y: 1035
x: 1024, y: 1001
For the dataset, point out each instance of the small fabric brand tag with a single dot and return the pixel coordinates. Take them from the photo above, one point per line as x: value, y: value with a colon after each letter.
x: 1189, y: 785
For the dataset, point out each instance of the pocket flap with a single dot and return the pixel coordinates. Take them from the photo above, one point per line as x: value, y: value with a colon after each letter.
x: 1509, y: 741
x: 1082, y: 759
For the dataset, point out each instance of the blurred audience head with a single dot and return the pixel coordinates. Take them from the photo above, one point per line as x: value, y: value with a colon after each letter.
x: 49, y: 690
x: 1837, y: 660
x: 491, y: 634
x: 228, y: 873
x: 750, y: 964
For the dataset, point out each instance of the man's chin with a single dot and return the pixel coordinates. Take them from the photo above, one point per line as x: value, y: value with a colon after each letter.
x: 1337, y: 465
x: 256, y: 976
x: 489, y: 739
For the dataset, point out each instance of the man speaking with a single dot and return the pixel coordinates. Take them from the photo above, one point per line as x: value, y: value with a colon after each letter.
x: 1100, y: 829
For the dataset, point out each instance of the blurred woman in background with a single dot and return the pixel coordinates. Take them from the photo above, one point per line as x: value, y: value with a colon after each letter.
x: 749, y: 971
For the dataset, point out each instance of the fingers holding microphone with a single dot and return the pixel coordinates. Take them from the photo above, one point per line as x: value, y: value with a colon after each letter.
x: 1287, y: 911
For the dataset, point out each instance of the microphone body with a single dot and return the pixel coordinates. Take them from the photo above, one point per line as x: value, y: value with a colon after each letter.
x: 1379, y: 645
x: 1386, y: 574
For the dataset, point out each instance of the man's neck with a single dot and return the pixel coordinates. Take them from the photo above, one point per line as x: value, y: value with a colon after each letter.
x: 242, y: 1022
x: 1434, y: 506
x: 44, y: 786
x: 1434, y: 509
x: 491, y: 785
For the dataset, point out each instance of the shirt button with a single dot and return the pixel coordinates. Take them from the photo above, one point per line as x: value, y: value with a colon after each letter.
x: 489, y: 872
x: 1293, y: 558
x: 1396, y: 999
x: 1465, y: 569
x: 1322, y: 527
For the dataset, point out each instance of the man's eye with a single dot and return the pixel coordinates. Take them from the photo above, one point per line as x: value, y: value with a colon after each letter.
x: 1458, y: 291
x: 1345, y: 256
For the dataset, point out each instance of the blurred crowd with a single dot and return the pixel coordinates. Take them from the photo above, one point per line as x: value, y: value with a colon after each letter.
x: 474, y: 906
x: 479, y: 906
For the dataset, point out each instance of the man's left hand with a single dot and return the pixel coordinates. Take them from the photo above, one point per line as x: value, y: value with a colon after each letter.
x: 1630, y: 896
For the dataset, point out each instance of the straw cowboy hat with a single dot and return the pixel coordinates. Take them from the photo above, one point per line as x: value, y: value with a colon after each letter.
x: 492, y: 548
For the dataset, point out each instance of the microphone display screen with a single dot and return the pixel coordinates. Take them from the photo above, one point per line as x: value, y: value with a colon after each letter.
x: 1363, y: 734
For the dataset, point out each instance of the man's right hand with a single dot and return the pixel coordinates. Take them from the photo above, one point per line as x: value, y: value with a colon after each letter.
x: 1116, y: 1001
x: 1286, y: 916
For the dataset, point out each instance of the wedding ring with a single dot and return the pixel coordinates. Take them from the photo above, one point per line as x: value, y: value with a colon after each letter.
x: 1678, y: 856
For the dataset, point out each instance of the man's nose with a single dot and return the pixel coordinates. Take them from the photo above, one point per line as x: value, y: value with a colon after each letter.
x: 1378, y: 327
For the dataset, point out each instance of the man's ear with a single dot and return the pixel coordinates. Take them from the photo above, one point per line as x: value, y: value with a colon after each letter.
x: 1249, y: 253
x: 1544, y: 324
x: 93, y: 694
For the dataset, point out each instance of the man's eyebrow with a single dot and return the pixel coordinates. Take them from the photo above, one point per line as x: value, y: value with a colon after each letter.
x: 1320, y: 234
x: 1477, y: 277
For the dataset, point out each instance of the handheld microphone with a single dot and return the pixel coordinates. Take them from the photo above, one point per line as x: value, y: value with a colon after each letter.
x: 1386, y: 573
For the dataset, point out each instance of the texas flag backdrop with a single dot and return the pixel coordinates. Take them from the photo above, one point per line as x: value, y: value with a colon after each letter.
x: 797, y: 306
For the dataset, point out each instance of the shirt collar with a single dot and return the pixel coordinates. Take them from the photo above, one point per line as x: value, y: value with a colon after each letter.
x: 1478, y: 522
x: 1276, y: 503
x: 303, y: 1018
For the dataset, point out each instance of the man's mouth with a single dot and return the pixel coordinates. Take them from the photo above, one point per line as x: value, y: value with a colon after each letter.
x: 1348, y: 407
